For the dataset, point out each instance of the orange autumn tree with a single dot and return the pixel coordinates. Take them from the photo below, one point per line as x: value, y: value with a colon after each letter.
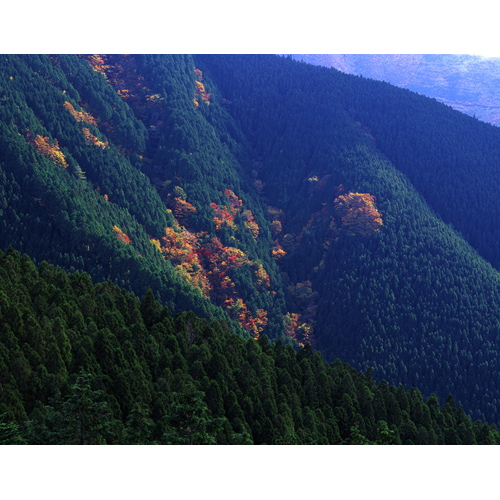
x: 200, y: 91
x: 238, y: 310
x: 291, y: 323
x: 300, y: 331
x: 259, y: 322
x: 97, y: 63
x: 277, y: 251
x: 235, y: 203
x: 250, y: 223
x: 219, y: 260
x: 80, y: 116
x: 358, y: 214
x: 222, y: 217
x: 225, y: 217
x: 261, y: 277
x: 49, y: 149
x: 183, y: 210
x: 92, y: 139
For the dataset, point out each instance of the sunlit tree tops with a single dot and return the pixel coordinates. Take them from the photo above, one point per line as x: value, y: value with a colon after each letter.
x: 48, y: 148
x: 93, y: 140
x: 200, y: 92
x: 80, y: 116
x: 358, y: 214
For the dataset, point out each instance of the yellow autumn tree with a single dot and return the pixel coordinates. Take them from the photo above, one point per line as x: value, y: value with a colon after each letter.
x: 49, y: 149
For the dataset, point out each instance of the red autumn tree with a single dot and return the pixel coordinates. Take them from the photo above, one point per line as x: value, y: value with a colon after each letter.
x: 222, y: 217
x: 97, y: 63
x: 121, y: 235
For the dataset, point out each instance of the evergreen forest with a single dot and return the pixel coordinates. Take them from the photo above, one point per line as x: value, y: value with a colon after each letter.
x: 91, y: 364
x: 242, y: 249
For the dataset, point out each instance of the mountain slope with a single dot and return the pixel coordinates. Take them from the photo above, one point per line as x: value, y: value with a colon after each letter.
x: 79, y: 156
x: 413, y: 300
x: 467, y: 83
x: 90, y: 364
x: 286, y: 199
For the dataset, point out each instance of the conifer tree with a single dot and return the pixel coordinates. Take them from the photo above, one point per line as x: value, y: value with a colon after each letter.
x: 189, y: 421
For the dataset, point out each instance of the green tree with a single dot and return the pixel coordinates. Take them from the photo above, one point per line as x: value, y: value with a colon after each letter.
x: 9, y: 431
x: 384, y: 434
x: 86, y: 416
x: 82, y: 418
x: 356, y: 437
x: 139, y: 427
x: 189, y: 420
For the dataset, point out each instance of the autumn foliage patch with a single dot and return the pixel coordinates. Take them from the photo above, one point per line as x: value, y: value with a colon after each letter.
x: 48, y: 148
x: 92, y: 139
x: 80, y: 116
x: 206, y: 264
x: 200, y: 92
x: 225, y: 217
x: 97, y: 63
x: 121, y: 235
x: 358, y: 214
x: 222, y: 217
x: 183, y: 210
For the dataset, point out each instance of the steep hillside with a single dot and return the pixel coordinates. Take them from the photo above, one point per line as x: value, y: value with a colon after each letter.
x: 282, y: 198
x: 87, y: 364
x: 121, y: 174
x: 467, y: 83
x: 411, y: 298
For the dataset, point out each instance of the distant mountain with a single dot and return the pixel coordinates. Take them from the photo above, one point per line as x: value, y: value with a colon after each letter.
x: 467, y: 83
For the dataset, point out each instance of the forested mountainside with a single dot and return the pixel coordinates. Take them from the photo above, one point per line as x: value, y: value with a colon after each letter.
x: 90, y: 183
x: 279, y: 198
x: 467, y: 83
x: 91, y: 364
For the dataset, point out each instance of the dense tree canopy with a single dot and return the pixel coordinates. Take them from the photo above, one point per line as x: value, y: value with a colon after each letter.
x: 91, y: 364
x: 284, y: 201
